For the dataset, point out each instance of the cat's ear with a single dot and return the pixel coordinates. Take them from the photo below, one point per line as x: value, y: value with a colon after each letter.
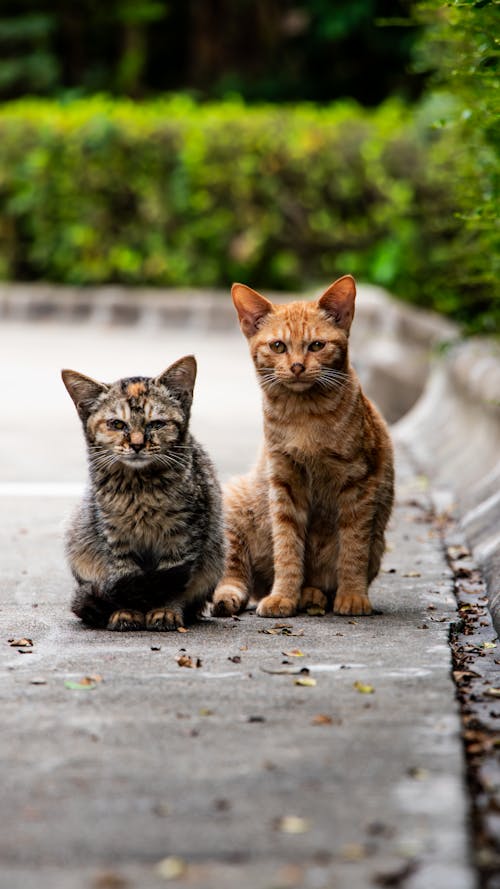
x: 83, y: 390
x: 338, y: 301
x: 251, y: 307
x: 180, y: 377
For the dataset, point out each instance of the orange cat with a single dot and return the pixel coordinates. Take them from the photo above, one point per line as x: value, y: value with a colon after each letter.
x: 306, y: 526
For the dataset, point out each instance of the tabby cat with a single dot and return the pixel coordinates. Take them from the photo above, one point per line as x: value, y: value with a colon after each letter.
x: 146, y: 543
x: 306, y: 527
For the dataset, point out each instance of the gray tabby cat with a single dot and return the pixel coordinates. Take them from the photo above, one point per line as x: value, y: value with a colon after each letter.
x: 146, y: 543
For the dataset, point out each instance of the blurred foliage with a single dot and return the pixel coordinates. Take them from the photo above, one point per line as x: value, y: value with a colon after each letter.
x: 270, y: 50
x: 460, y: 50
x: 174, y: 193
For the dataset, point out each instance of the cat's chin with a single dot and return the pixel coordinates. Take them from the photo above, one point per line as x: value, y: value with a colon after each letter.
x: 136, y: 462
x: 297, y: 385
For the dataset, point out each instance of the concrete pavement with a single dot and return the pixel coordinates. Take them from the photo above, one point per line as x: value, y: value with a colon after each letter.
x: 227, y: 774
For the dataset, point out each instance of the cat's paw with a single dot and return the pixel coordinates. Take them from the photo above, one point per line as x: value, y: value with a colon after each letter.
x: 352, y: 604
x: 164, y: 619
x: 124, y: 619
x: 276, y: 605
x: 312, y: 597
x: 227, y: 600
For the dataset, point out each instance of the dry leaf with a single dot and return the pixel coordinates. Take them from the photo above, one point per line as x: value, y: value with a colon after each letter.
x: 489, y: 645
x: 353, y: 852
x: 412, y: 574
x: 184, y: 660
x: 322, y: 719
x: 293, y: 824
x: 309, y: 683
x: 171, y: 868
x: 236, y: 659
x: 294, y: 652
x: 418, y: 774
x: 87, y: 683
x: 493, y: 692
x: 206, y: 712
x: 285, y: 670
x: 20, y: 643
x: 281, y: 631
x: 362, y: 688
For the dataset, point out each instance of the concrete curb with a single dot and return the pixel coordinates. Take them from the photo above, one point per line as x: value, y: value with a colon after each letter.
x: 454, y: 435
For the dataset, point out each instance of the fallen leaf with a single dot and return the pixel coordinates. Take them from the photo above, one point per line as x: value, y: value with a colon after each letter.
x: 418, y: 774
x: 493, y: 692
x: 109, y: 880
x: 38, y: 680
x: 206, y: 712
x: 315, y: 611
x: 156, y: 648
x: 256, y: 718
x: 184, y: 660
x: 236, y: 659
x: 171, y: 868
x: 20, y: 643
x: 322, y: 719
x: 352, y: 621
x: 412, y: 574
x: 457, y: 552
x: 243, y: 647
x: 353, y: 852
x: 294, y: 652
x: 281, y: 631
x: 489, y: 645
x: 285, y: 670
x: 292, y: 824
x: 85, y: 684
x: 362, y: 688
x: 309, y: 683
x: 182, y: 629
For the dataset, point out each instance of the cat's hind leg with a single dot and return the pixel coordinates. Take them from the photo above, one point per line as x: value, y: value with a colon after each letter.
x: 90, y: 607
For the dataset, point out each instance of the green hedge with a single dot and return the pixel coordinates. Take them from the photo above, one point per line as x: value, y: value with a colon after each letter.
x: 173, y: 193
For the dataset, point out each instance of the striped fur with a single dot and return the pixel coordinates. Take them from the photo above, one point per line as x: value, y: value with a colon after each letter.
x: 146, y: 543
x: 306, y: 526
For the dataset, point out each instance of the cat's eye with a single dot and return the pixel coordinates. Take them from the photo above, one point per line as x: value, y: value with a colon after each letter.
x: 277, y: 346
x: 156, y: 424
x: 316, y: 346
x: 117, y: 424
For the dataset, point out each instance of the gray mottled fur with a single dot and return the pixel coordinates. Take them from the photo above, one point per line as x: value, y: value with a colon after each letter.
x: 145, y: 545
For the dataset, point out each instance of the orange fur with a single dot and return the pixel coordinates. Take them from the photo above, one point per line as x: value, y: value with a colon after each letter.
x: 306, y: 525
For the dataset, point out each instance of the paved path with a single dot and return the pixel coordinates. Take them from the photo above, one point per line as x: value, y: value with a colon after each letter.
x: 234, y: 775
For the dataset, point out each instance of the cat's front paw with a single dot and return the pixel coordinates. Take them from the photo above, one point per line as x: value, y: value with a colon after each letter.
x: 124, y: 619
x: 164, y: 619
x: 352, y: 604
x: 227, y: 600
x: 276, y: 605
x: 312, y: 597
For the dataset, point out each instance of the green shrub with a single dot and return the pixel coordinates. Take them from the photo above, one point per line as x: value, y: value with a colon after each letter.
x: 173, y: 193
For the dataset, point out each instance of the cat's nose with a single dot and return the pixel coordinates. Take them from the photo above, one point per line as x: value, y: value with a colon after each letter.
x: 137, y: 441
x: 297, y: 368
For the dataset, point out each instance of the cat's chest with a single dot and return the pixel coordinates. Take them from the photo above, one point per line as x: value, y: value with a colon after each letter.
x: 144, y: 519
x: 314, y: 441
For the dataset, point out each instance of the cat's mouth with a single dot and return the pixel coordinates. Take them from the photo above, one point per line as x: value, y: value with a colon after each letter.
x: 136, y: 460
x: 298, y: 385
